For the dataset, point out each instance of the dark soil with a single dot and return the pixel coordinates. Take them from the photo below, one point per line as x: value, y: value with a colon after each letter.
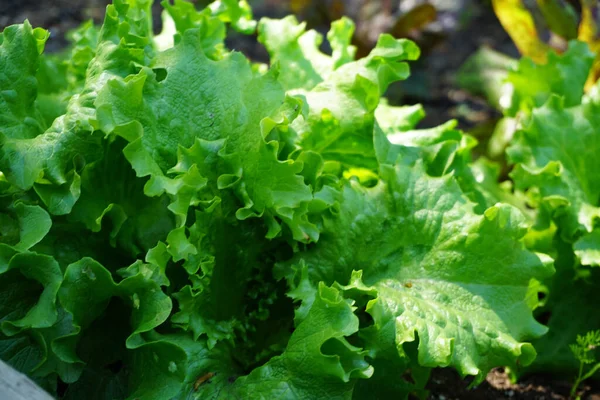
x: 431, y: 84
x: 58, y: 16
x: 446, y: 384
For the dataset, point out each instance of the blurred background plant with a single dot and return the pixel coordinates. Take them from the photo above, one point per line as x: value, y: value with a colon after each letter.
x: 539, y: 29
x: 541, y: 26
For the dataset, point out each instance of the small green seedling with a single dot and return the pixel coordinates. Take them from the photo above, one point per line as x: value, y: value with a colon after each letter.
x: 585, y: 351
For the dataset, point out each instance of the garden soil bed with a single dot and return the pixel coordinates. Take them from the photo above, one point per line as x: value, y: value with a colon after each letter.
x: 445, y: 384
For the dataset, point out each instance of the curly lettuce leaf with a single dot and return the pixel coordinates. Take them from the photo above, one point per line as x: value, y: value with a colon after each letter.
x: 62, y: 75
x: 318, y: 361
x: 140, y: 232
x: 223, y: 272
x: 113, y: 197
x: 29, y: 283
x: 555, y: 157
x: 563, y: 75
x: 92, y: 298
x: 20, y: 48
x: 155, y: 370
x: 243, y: 115
x: 444, y: 150
x: 52, y: 159
x: 341, y: 119
x: 53, y: 94
x: 40, y: 275
x: 485, y: 187
x: 303, y: 65
x: 87, y: 279
x: 457, y: 280
x: 21, y: 352
x: 394, y: 119
x: 211, y: 21
x: 182, y: 15
x: 84, y: 44
x: 236, y: 12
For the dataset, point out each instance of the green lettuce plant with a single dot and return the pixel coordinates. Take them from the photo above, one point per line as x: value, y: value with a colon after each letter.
x: 551, y: 111
x: 553, y: 159
x: 179, y: 222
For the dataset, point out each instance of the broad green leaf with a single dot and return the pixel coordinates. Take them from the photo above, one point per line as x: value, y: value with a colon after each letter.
x: 397, y: 374
x: 23, y: 226
x: 20, y: 352
x: 37, y: 275
x: 156, y: 370
x: 444, y: 150
x: 29, y: 285
x: 208, y: 370
x: 87, y: 279
x: 457, y: 280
